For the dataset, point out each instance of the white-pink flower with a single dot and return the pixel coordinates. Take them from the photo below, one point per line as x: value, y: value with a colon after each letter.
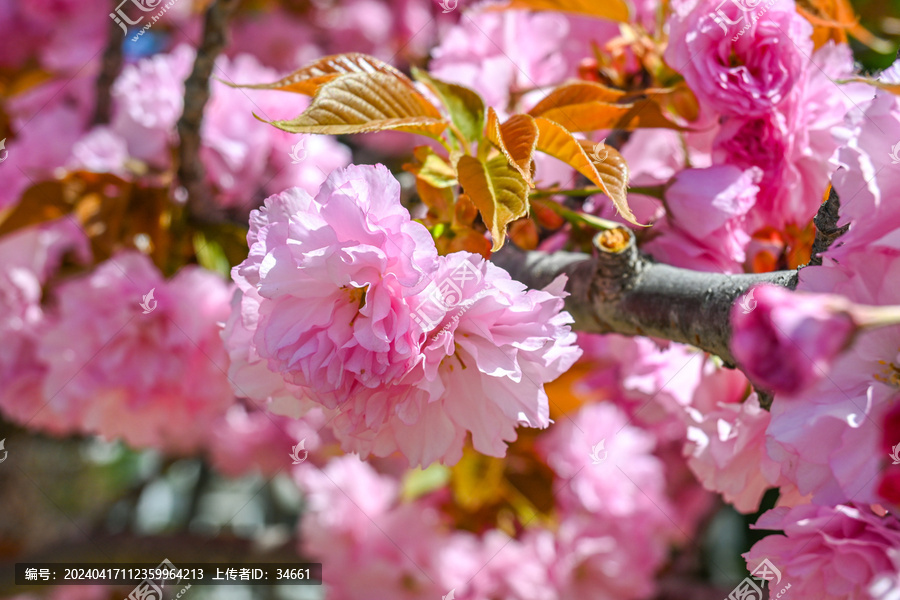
x: 827, y: 553
x: 726, y: 451
x: 334, y: 274
x: 606, y: 465
x: 359, y: 314
x: 487, y: 347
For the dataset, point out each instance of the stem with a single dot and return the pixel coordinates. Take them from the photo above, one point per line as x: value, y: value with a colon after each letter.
x: 459, y: 136
x: 577, y: 218
x: 571, y: 193
x: 872, y: 317
x: 655, y: 191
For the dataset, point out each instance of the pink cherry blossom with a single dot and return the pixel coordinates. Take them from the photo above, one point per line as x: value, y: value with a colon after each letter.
x: 608, y: 558
x: 488, y: 346
x: 653, y: 382
x: 749, y: 75
x: 545, y: 47
x: 789, y: 340
x: 827, y: 553
x: 793, y: 143
x: 867, y: 177
x: 333, y: 273
x: 28, y: 259
x: 376, y: 546
x: 726, y: 450
x: 606, y: 466
x: 511, y: 568
x: 827, y: 437
x: 61, y: 35
x: 707, y: 214
x: 276, y: 38
x: 151, y: 376
x: 247, y: 371
x: 246, y: 440
x: 57, y: 111
x: 385, y: 340
x: 241, y: 154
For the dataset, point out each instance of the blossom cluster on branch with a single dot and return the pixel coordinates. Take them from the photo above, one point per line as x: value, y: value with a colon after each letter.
x: 330, y: 302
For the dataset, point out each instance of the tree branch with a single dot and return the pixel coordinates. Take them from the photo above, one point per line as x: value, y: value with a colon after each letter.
x: 196, y: 94
x: 109, y: 70
x: 827, y: 230
x: 622, y: 291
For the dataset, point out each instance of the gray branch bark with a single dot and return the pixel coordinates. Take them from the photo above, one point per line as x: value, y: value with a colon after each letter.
x: 621, y: 291
x: 827, y: 231
x: 196, y: 94
x: 109, y: 71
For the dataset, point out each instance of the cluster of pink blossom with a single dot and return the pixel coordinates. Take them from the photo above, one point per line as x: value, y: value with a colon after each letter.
x: 833, y: 424
x: 58, y: 112
x: 247, y: 439
x: 831, y: 552
x: 346, y: 332
x: 612, y: 529
x: 769, y: 106
x: 507, y: 55
x: 244, y: 158
x: 27, y: 260
x: 149, y: 377
x: 62, y: 35
x: 346, y: 301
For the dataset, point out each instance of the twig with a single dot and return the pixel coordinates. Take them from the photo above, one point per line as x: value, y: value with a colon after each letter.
x: 196, y: 94
x: 621, y: 291
x: 109, y: 71
x: 827, y: 230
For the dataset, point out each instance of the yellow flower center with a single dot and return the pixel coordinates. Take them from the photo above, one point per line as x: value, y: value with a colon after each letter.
x: 889, y: 374
x: 356, y: 296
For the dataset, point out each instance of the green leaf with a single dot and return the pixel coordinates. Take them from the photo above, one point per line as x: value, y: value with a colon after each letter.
x: 419, y: 482
x: 465, y: 106
x: 211, y: 255
x: 433, y: 168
